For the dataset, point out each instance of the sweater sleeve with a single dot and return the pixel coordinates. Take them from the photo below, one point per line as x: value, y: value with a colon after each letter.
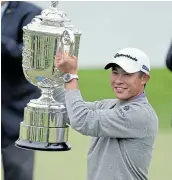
x: 59, y: 96
x: 12, y: 49
x: 116, y: 123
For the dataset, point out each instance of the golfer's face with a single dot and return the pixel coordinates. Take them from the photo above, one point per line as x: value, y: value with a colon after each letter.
x: 126, y: 85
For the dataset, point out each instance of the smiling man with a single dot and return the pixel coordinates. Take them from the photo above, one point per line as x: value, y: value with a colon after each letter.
x: 124, y: 128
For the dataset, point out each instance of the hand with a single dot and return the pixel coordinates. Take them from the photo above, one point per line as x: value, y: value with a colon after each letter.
x: 66, y: 63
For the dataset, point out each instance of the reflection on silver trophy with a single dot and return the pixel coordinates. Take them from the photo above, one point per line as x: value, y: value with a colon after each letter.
x: 44, y: 127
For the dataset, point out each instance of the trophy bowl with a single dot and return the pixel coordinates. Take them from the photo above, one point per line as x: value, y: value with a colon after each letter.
x: 44, y: 127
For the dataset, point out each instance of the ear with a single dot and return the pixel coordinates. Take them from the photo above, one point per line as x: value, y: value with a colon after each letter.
x: 145, y: 78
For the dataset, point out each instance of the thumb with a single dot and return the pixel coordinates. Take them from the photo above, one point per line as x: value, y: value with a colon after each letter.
x: 74, y: 57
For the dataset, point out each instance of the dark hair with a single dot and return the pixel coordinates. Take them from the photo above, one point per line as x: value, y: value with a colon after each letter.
x: 115, y: 66
x: 141, y: 73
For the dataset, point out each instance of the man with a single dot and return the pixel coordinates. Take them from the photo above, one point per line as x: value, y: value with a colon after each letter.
x: 169, y: 59
x: 16, y: 91
x: 123, y: 129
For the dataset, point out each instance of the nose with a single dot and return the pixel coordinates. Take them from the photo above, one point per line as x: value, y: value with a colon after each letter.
x: 118, y: 79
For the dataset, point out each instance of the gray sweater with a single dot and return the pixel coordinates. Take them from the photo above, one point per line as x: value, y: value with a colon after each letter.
x: 123, y: 135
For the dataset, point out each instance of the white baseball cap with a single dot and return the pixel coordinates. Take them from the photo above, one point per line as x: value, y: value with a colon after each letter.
x: 131, y: 60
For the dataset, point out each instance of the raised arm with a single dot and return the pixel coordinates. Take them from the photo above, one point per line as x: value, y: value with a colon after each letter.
x: 114, y: 123
x: 59, y: 95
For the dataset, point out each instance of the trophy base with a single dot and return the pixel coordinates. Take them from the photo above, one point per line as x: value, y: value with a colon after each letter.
x: 25, y: 144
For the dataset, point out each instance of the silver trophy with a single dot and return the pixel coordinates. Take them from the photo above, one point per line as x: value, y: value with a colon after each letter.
x: 44, y: 127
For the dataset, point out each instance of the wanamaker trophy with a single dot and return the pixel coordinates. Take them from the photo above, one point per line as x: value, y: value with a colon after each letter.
x: 44, y: 127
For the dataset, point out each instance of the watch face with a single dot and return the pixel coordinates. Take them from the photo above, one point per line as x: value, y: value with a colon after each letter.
x: 66, y: 77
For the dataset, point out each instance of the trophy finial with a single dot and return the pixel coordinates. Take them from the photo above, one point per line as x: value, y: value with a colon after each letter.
x: 54, y: 4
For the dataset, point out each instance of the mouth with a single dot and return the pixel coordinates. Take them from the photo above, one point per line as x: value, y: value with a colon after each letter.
x: 116, y: 87
x: 119, y: 89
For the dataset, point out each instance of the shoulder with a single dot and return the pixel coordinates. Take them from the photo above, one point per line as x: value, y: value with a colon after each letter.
x: 143, y: 113
x: 143, y: 108
x: 106, y: 103
x: 29, y: 7
x: 169, y: 58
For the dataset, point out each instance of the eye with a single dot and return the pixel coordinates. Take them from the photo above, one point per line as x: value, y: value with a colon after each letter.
x: 114, y: 72
x: 127, y: 74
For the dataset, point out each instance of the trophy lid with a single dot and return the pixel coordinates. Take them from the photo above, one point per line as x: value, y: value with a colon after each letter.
x: 51, y: 21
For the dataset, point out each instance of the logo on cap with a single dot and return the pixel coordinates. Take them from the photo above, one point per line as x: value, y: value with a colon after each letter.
x: 145, y: 68
x: 125, y: 55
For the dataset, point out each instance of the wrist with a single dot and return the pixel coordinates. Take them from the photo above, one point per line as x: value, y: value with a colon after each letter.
x: 69, y: 77
x: 73, y: 72
x: 73, y: 84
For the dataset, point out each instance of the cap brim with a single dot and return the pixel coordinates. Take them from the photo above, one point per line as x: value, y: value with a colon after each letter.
x: 110, y: 65
x: 128, y: 65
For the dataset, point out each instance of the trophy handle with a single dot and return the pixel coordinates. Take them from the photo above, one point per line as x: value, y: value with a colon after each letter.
x: 68, y: 41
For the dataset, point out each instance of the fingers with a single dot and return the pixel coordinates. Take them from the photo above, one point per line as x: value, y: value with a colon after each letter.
x: 64, y: 60
x: 59, y: 61
x: 59, y: 51
x: 74, y: 57
x: 59, y: 56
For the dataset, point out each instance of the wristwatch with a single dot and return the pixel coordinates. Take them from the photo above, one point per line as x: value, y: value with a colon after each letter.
x: 68, y: 77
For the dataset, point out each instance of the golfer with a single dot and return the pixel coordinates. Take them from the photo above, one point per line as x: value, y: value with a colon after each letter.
x: 123, y: 129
